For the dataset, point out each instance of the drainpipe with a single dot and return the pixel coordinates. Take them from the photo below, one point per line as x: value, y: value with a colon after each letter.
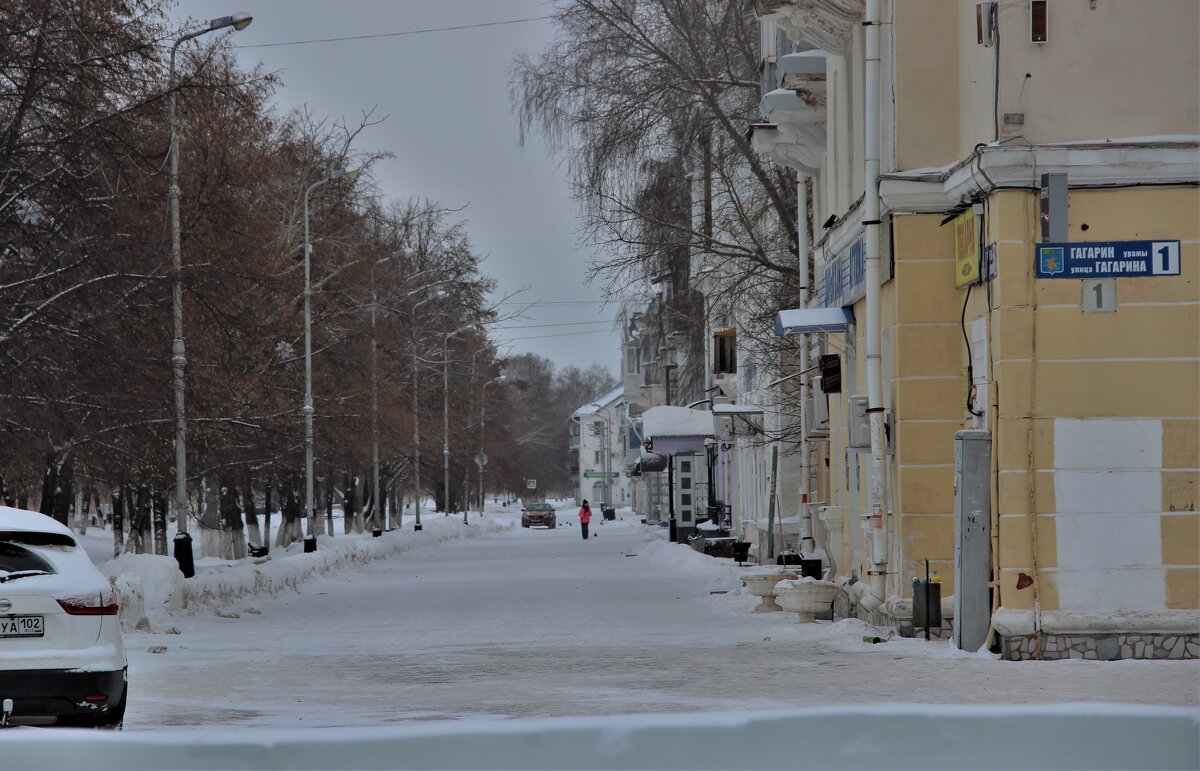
x: 879, y: 526
x: 807, y: 544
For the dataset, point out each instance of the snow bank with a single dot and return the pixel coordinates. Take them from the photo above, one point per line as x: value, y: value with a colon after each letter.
x: 666, y: 421
x: 152, y: 586
x: 883, y: 737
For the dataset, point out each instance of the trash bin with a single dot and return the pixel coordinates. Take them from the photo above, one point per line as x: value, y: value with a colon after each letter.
x: 741, y: 551
x: 609, y: 513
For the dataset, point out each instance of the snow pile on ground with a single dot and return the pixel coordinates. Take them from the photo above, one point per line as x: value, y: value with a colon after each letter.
x: 152, y: 586
x: 722, y: 575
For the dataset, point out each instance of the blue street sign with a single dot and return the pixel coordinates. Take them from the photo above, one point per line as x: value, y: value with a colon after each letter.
x: 1107, y: 259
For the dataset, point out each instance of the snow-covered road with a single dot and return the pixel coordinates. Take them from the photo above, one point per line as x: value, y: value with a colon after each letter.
x: 527, y: 623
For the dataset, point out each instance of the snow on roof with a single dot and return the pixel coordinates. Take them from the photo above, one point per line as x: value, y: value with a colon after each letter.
x: 20, y: 520
x: 602, y: 401
x: 676, y: 421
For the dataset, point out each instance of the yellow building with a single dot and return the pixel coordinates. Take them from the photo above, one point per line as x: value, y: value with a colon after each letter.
x: 1039, y: 228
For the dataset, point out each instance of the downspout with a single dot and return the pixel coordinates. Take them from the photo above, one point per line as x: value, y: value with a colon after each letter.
x: 874, y: 337
x: 807, y: 544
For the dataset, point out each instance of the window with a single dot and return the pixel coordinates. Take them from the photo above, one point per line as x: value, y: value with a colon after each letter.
x: 686, y: 499
x: 725, y: 351
x: 685, y: 467
x: 685, y: 483
x: 687, y: 515
x: 598, y: 459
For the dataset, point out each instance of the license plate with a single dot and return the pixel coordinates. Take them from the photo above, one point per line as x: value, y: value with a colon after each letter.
x: 22, y: 626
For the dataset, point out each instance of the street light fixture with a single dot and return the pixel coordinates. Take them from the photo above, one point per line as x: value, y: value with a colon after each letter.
x: 439, y: 294
x: 183, y: 541
x: 310, y: 540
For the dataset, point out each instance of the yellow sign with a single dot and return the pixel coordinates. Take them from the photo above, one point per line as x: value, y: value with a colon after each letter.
x: 966, y: 249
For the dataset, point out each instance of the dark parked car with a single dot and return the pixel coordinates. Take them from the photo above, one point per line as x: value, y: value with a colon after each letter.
x: 538, y: 514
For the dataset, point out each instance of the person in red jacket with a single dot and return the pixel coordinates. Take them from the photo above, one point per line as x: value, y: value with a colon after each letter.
x: 585, y: 516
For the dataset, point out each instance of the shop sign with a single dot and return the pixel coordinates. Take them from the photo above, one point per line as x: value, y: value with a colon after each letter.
x: 842, y: 279
x: 966, y: 249
x: 1107, y: 259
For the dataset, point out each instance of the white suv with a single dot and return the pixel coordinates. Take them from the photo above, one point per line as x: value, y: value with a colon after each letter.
x: 61, y: 657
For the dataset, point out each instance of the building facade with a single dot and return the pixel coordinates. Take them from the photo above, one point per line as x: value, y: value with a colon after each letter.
x: 598, y: 438
x: 1017, y: 253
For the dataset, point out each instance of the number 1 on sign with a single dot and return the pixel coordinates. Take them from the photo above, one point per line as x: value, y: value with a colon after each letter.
x: 1164, y: 258
x: 1099, y: 295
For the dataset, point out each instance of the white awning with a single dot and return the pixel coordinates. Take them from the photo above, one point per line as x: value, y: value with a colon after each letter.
x: 797, y: 321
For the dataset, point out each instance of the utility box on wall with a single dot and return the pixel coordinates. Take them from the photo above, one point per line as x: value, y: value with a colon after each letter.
x: 972, y: 538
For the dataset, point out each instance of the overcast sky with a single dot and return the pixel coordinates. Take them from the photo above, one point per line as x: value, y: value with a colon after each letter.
x: 452, y: 131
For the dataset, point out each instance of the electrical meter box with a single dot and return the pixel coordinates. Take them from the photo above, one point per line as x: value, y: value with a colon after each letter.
x: 859, y: 423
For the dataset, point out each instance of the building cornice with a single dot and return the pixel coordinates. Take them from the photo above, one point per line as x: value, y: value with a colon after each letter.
x: 827, y: 24
x: 1109, y: 163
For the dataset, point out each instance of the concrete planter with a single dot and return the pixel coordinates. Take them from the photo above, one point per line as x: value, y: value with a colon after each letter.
x: 806, y: 597
x: 762, y: 584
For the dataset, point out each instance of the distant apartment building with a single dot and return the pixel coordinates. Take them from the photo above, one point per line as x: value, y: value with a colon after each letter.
x: 1037, y: 231
x: 598, y: 439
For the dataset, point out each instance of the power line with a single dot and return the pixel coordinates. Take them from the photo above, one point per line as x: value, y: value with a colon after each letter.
x: 396, y: 34
x: 563, y: 324
x: 553, y: 302
x: 560, y: 334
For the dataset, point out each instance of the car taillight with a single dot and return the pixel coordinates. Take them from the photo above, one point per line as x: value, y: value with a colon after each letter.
x: 79, y: 606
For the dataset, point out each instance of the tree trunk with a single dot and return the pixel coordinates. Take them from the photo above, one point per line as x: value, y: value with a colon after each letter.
x: 233, y: 541
x: 118, y: 521
x: 211, y: 542
x: 252, y: 530
x: 291, y: 511
x: 267, y: 504
x: 139, y: 525
x: 159, y: 502
x: 329, y: 494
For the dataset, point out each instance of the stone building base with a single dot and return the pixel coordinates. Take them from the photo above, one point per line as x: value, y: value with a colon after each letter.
x: 1103, y: 647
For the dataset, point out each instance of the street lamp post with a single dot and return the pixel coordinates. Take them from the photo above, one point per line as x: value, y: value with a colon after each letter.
x: 183, y: 541
x: 439, y: 294
x: 376, y: 525
x: 481, y: 459
x: 310, y: 541
x: 446, y: 413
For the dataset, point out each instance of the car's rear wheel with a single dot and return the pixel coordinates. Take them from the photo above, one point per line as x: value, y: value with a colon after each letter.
x: 552, y: 525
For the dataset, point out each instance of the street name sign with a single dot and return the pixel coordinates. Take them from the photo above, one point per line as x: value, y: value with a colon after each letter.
x: 601, y: 474
x: 1107, y: 259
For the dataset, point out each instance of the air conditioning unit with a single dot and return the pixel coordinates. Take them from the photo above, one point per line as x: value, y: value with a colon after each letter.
x: 816, y: 412
x: 985, y: 24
